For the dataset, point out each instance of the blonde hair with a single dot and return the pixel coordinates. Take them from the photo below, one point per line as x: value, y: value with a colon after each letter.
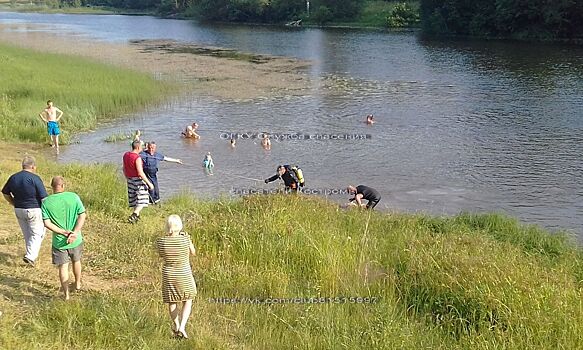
x: 174, y: 224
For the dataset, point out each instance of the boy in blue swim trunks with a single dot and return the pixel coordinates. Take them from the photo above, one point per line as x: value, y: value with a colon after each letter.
x: 51, y: 116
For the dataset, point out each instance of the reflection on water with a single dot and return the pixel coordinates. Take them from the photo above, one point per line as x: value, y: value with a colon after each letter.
x: 462, y: 125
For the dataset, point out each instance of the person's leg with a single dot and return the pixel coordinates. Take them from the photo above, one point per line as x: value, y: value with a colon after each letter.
x: 37, y: 232
x: 138, y: 209
x: 64, y: 278
x: 173, y: 309
x: 22, y: 216
x: 49, y: 131
x: 75, y: 255
x: 77, y: 273
x: 156, y: 192
x: 185, y: 314
x: 372, y: 203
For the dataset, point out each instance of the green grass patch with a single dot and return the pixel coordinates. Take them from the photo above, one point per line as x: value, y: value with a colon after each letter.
x: 469, y: 281
x: 374, y: 14
x: 87, y: 92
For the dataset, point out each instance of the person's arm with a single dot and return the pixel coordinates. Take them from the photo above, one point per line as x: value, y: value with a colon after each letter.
x: 59, y: 114
x: 56, y: 229
x: 141, y: 174
x: 80, y: 222
x: 172, y: 160
x: 9, y: 198
x: 78, y: 226
x: 273, y: 178
x: 191, y: 248
x: 358, y: 199
x: 41, y: 115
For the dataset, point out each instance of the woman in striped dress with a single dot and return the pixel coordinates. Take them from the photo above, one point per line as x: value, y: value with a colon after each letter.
x: 178, y: 284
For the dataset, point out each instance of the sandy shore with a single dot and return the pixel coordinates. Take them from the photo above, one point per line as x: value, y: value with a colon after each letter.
x: 212, y: 71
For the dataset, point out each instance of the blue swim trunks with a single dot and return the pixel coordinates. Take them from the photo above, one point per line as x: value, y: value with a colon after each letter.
x: 53, y: 128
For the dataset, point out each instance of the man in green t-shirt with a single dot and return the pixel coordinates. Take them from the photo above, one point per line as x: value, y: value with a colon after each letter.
x: 64, y: 214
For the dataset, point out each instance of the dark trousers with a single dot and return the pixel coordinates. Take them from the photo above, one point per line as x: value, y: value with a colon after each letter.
x: 155, y: 193
x: 372, y: 203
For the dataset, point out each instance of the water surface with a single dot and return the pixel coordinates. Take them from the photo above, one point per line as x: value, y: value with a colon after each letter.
x: 462, y: 125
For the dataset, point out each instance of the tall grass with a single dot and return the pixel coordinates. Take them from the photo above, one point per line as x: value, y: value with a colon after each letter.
x: 87, y: 92
x: 470, y: 281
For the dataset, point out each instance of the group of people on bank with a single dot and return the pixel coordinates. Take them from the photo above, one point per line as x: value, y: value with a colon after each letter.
x: 64, y: 214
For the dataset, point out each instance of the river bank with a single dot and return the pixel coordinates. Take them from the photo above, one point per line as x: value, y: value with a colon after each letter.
x: 231, y: 76
x: 277, y: 271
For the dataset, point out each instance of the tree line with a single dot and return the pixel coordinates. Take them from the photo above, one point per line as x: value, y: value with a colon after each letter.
x: 522, y: 19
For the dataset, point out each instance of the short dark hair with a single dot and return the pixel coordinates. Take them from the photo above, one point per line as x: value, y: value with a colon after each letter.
x: 136, y: 144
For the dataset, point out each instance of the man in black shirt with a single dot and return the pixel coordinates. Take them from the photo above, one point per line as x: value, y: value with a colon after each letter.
x: 25, y: 191
x: 364, y: 192
x: 288, y: 176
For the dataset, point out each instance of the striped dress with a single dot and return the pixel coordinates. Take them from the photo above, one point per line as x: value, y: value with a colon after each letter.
x: 177, y: 280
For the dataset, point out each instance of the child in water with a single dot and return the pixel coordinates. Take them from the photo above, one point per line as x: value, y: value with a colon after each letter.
x: 208, y: 162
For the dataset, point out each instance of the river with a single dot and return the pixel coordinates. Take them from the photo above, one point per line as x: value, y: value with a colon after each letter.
x: 479, y: 126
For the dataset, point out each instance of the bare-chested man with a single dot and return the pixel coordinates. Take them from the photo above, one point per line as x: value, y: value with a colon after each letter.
x: 51, y: 116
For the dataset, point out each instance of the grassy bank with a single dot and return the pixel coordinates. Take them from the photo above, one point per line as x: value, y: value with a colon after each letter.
x: 374, y: 14
x: 40, y: 7
x: 395, y: 280
x: 481, y: 282
x: 87, y: 92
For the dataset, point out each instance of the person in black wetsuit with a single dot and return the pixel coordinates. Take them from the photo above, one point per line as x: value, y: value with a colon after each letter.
x: 364, y: 192
x: 288, y: 176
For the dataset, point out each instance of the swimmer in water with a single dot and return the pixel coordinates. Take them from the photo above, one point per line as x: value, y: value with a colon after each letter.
x: 233, y: 142
x: 265, y: 141
x: 190, y: 133
x: 208, y: 161
x: 370, y: 119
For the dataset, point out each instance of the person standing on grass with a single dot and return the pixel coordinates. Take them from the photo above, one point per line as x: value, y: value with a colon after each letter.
x: 137, y: 181
x: 64, y: 214
x: 361, y: 192
x: 51, y: 116
x: 150, y: 160
x: 25, y: 191
x: 178, y: 285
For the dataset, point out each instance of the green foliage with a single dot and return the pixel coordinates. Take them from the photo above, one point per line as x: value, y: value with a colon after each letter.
x: 340, y: 9
x: 322, y: 15
x: 403, y: 15
x: 471, y: 281
x: 87, y: 92
x: 524, y: 19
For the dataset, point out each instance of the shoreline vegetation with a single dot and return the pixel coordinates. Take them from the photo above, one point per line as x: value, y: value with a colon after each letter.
x: 529, y: 20
x: 273, y: 271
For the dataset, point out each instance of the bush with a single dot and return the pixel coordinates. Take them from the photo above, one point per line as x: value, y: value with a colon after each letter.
x: 403, y: 15
x: 322, y: 15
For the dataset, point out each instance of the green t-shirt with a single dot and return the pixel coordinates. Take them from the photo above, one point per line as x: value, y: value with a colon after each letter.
x: 62, y: 209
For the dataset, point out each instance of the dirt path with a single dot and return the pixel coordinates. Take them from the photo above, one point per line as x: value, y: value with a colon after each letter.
x: 213, y: 71
x: 20, y: 284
